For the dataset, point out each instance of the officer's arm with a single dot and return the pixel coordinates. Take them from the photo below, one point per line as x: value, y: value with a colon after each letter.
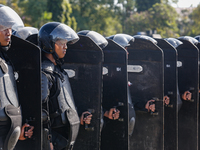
x: 45, y: 88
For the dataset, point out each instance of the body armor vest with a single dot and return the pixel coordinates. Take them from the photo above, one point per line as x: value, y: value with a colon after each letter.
x: 10, y: 113
x: 62, y: 107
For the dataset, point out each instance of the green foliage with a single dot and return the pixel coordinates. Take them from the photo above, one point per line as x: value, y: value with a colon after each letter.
x: 143, y: 5
x: 33, y: 12
x: 192, y: 26
x: 161, y: 17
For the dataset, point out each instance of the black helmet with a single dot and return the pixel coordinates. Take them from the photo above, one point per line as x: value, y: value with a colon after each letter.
x: 96, y: 37
x: 53, y: 31
x: 145, y: 37
x: 197, y: 37
x: 174, y: 42
x: 27, y: 33
x: 122, y: 39
x: 190, y: 39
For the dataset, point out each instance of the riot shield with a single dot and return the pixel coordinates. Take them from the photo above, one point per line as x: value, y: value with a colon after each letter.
x: 145, y: 73
x: 115, y: 132
x: 170, y: 89
x: 26, y: 59
x: 188, y: 79
x: 83, y: 62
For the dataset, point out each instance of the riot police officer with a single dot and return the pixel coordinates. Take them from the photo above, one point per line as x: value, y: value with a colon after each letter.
x: 10, y: 112
x: 60, y: 117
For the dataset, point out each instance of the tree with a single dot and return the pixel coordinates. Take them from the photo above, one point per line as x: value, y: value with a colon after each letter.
x: 192, y: 27
x: 161, y: 17
x: 143, y: 5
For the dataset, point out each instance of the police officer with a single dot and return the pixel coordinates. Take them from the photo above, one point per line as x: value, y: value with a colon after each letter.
x: 57, y: 98
x: 10, y: 113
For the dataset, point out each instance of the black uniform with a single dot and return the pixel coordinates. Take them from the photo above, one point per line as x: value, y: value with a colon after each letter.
x: 59, y: 104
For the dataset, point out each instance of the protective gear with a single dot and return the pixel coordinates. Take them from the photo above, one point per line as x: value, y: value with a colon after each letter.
x: 28, y: 33
x: 122, y: 39
x: 96, y: 37
x: 16, y: 120
x: 146, y: 38
x: 9, y: 104
x: 52, y: 32
x: 62, y: 107
x: 174, y: 42
x: 132, y: 115
x: 197, y: 37
x: 9, y: 19
x: 189, y: 38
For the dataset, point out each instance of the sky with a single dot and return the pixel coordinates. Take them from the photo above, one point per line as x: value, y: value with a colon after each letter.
x: 187, y: 3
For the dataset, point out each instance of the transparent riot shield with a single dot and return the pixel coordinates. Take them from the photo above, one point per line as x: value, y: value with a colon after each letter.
x: 146, y: 76
x: 188, y: 80
x: 83, y: 62
x: 26, y: 59
x: 115, y: 132
x: 170, y: 90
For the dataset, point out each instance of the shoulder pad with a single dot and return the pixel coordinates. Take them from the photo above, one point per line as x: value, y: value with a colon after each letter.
x: 47, y: 65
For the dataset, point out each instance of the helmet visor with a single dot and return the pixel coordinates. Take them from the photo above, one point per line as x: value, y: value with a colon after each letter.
x: 174, y: 42
x: 64, y: 32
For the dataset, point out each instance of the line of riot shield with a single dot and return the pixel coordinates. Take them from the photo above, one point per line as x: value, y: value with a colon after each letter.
x: 170, y: 90
x: 26, y: 59
x: 115, y: 132
x: 83, y: 63
x: 146, y: 73
x: 188, y: 80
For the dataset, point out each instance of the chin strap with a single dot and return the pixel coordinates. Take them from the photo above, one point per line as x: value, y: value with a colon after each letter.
x: 57, y: 59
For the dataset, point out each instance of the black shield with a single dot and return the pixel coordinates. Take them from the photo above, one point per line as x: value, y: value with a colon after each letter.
x: 115, y: 132
x: 26, y: 58
x: 188, y: 79
x: 145, y: 73
x: 83, y: 62
x: 170, y: 90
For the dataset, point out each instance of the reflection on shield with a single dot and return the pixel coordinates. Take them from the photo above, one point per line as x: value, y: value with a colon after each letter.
x: 115, y: 132
x: 83, y: 63
x: 146, y: 85
x: 26, y: 58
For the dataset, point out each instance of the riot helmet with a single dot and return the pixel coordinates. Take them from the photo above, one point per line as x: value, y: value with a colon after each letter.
x: 96, y: 37
x: 122, y: 39
x: 27, y: 33
x: 9, y: 19
x: 145, y: 37
x: 197, y: 37
x: 190, y: 39
x: 174, y: 42
x: 52, y: 32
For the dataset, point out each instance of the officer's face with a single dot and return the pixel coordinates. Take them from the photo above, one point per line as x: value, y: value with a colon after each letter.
x: 5, y: 36
x: 60, y: 48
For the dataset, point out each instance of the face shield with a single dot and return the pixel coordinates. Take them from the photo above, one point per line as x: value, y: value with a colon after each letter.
x: 64, y: 32
x: 174, y: 42
x: 96, y: 37
x: 9, y: 19
x: 190, y: 39
x: 146, y: 38
x: 25, y: 32
x: 122, y: 39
